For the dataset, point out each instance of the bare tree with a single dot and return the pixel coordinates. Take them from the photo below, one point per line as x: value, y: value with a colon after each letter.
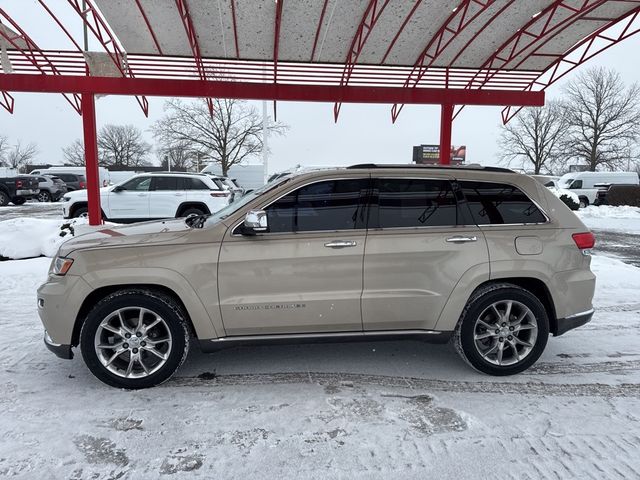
x: 534, y: 137
x: 228, y: 137
x: 19, y: 155
x: 118, y: 146
x: 4, y: 146
x: 603, y: 119
x: 177, y: 155
x: 122, y: 146
x: 74, y: 153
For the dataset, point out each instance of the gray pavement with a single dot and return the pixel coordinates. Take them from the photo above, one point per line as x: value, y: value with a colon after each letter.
x: 625, y: 246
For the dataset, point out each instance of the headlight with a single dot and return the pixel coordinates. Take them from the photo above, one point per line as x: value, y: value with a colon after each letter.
x: 61, y: 265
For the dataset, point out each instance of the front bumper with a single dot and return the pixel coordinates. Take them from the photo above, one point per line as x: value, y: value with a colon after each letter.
x: 573, y: 321
x: 61, y: 351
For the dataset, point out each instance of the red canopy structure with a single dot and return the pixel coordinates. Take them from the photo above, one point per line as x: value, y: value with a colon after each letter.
x: 446, y: 52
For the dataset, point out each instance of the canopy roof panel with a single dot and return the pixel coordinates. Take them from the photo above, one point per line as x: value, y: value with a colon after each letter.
x: 331, y: 26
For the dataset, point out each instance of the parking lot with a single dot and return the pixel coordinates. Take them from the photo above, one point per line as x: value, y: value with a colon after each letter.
x: 364, y: 410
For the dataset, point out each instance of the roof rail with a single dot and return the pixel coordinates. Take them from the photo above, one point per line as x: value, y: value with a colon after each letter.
x: 445, y: 167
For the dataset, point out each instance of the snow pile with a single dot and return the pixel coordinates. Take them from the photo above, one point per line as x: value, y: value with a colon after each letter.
x: 558, y: 192
x: 33, y: 237
x: 622, y: 218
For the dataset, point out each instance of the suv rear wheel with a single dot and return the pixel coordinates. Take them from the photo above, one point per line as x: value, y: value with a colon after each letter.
x: 44, y: 196
x: 135, y: 338
x: 191, y: 211
x: 503, y: 330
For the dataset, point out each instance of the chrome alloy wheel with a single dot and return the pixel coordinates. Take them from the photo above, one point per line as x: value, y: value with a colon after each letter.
x: 133, y: 342
x: 505, y: 332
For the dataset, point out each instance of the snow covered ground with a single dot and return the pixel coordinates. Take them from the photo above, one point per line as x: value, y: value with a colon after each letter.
x: 624, y: 219
x: 352, y: 411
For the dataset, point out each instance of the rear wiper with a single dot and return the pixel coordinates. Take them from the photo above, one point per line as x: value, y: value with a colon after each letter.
x: 197, y: 221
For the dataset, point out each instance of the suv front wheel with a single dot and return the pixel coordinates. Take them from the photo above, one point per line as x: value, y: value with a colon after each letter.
x: 135, y: 338
x: 503, y: 330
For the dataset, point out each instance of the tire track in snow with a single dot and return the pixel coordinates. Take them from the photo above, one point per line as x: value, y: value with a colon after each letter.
x: 498, y: 387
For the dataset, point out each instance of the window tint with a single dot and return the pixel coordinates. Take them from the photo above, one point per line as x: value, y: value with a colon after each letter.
x: 497, y: 203
x: 414, y: 203
x: 191, y: 183
x: 329, y: 205
x: 165, y: 183
x: 139, y: 183
x: 576, y: 184
x: 67, y: 177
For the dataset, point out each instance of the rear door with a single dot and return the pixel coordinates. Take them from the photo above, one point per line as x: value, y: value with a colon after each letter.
x: 419, y: 245
x: 166, y: 194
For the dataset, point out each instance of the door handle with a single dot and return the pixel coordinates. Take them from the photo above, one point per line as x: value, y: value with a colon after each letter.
x: 459, y: 239
x: 341, y: 244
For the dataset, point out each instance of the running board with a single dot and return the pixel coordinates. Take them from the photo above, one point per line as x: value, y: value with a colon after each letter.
x: 429, y: 336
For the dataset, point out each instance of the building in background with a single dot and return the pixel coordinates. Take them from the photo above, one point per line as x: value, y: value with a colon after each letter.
x: 430, y: 154
x: 249, y: 176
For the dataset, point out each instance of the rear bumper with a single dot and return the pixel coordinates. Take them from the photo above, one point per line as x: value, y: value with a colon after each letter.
x: 61, y: 351
x: 27, y: 193
x: 573, y: 321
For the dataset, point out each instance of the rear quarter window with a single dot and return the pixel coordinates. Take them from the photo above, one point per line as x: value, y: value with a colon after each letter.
x: 499, y: 204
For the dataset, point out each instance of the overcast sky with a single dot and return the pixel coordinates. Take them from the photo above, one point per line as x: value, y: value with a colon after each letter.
x: 364, y: 133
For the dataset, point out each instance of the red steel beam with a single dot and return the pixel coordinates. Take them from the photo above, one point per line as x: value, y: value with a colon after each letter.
x: 33, y: 53
x: 98, y: 26
x: 263, y: 91
x: 146, y: 21
x: 461, y: 17
x: 276, y: 45
x: 446, y: 125
x: 185, y: 16
x: 7, y: 101
x: 235, y: 27
x: 368, y: 21
x: 537, y: 32
x: 584, y: 50
x: 91, y: 158
x: 315, y: 40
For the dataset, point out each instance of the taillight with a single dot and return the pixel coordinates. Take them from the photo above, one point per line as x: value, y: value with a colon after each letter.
x: 83, y: 184
x: 219, y: 194
x: 18, y: 183
x: 584, y: 241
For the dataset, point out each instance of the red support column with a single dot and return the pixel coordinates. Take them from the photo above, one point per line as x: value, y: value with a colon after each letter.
x: 91, y: 158
x: 446, y: 123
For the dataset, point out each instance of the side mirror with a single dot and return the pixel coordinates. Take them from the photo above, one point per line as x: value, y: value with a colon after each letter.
x: 255, y: 221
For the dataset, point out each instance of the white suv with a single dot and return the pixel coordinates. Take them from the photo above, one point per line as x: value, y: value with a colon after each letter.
x: 153, y: 196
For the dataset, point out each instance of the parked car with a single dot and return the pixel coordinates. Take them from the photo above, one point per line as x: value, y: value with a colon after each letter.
x: 228, y: 184
x: 51, y: 188
x: 152, y: 196
x: 483, y: 257
x: 617, y: 195
x: 584, y: 184
x: 17, y: 190
x: 60, y: 171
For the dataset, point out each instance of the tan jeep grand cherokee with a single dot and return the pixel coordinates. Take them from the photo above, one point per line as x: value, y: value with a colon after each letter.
x: 483, y: 256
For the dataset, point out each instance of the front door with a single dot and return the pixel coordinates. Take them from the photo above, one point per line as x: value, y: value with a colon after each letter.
x: 131, y: 201
x: 305, y: 274
x: 417, y: 250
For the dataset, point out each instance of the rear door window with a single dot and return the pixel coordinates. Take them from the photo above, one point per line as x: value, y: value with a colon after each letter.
x: 499, y: 204
x: 411, y: 203
x: 164, y: 183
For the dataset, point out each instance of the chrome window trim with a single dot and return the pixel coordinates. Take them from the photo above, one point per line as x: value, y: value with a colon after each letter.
x: 359, y: 177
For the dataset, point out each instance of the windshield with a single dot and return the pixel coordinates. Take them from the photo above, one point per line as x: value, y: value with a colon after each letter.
x: 565, y: 182
x: 249, y: 197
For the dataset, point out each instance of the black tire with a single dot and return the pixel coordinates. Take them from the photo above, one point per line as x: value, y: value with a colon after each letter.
x: 18, y: 200
x: 4, y: 199
x: 584, y: 202
x: 191, y: 211
x: 80, y: 212
x: 482, y: 299
x: 44, y: 196
x: 162, y: 305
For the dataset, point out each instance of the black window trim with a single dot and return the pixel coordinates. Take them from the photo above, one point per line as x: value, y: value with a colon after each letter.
x: 494, y: 225
x: 366, y: 203
x: 370, y: 207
